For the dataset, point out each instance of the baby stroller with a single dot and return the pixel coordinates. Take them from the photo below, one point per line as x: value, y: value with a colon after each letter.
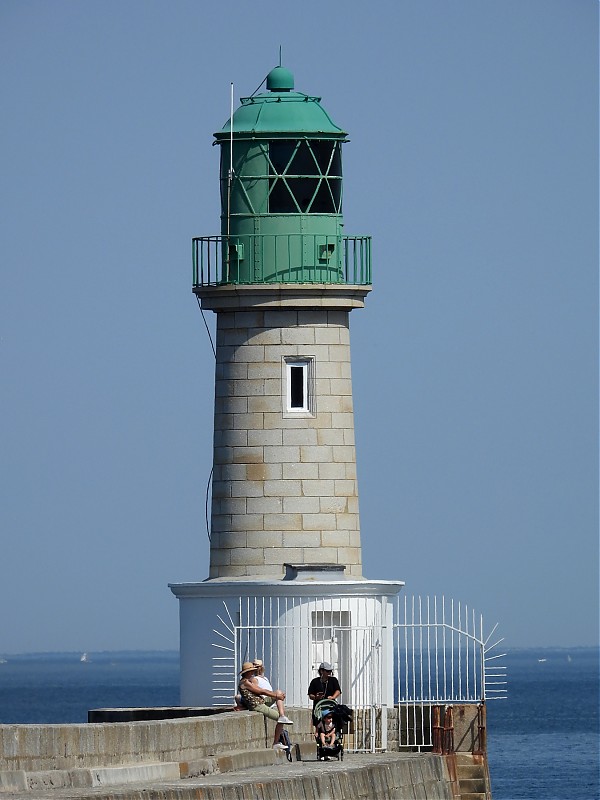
x: 340, y: 715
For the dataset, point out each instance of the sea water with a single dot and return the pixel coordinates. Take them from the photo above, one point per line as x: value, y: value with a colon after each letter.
x: 60, y: 687
x: 543, y: 740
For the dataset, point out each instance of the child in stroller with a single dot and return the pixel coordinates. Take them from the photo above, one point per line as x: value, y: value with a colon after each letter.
x: 329, y: 731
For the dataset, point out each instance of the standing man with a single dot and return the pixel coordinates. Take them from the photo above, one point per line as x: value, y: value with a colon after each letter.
x: 325, y: 686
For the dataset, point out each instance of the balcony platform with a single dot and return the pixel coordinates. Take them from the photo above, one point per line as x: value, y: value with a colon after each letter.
x: 236, y: 297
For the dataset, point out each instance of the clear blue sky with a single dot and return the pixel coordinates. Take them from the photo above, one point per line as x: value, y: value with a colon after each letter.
x: 472, y: 163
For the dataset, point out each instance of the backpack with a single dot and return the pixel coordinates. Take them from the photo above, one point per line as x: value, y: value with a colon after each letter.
x: 284, y: 738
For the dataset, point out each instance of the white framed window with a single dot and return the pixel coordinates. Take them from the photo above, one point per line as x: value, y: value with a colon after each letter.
x: 299, y: 385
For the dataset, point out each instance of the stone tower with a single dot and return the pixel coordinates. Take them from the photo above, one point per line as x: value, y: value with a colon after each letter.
x: 284, y: 479
x: 282, y: 278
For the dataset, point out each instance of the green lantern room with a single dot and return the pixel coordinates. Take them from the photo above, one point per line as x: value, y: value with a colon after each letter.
x: 281, y: 196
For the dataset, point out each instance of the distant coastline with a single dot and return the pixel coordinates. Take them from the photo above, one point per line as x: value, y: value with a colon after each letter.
x: 100, y: 655
x: 170, y: 655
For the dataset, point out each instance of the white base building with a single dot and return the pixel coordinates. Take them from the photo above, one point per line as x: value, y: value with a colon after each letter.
x: 292, y: 625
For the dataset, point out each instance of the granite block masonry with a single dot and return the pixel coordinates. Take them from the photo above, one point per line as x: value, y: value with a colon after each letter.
x: 284, y: 483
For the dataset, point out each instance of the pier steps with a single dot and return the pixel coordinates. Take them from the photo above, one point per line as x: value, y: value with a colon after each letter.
x: 391, y: 776
x: 94, y: 777
x: 472, y: 778
x: 134, y: 774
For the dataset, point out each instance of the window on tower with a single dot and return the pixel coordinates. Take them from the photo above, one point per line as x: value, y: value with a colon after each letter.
x: 297, y: 386
x: 299, y: 392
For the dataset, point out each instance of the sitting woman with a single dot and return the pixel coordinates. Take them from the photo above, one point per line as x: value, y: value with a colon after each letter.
x: 260, y: 699
x: 263, y: 683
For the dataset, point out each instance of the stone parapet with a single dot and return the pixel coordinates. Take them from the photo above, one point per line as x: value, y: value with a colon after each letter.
x: 52, y: 747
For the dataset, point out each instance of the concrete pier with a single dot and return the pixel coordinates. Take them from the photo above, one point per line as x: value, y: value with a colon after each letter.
x: 391, y: 776
x: 223, y: 756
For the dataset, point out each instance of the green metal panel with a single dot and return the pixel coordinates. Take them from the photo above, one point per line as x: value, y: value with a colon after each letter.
x: 250, y: 186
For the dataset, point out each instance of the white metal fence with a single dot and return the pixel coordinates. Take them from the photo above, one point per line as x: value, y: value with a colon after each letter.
x: 443, y: 654
x: 414, y: 654
x: 443, y: 658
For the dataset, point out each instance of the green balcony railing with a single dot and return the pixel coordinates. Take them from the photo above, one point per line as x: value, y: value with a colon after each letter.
x: 281, y: 258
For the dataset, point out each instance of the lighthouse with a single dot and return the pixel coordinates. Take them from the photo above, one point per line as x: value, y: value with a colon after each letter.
x: 285, y: 580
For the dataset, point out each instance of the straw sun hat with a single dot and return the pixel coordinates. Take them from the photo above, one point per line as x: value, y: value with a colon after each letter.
x: 247, y: 666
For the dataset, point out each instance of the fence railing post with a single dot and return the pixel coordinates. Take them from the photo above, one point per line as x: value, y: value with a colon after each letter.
x: 448, y: 740
x: 436, y: 729
x: 481, y: 745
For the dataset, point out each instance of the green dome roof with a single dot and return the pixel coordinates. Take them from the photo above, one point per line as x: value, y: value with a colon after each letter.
x: 280, y: 79
x: 281, y: 111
